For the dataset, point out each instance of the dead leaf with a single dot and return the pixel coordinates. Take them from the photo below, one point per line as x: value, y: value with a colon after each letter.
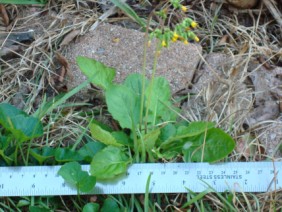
x: 69, y: 37
x: 62, y: 60
x: 62, y: 74
x: 64, y: 70
x: 4, y: 15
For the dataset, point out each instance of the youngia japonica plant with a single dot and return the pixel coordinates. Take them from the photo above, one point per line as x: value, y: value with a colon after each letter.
x: 150, y: 127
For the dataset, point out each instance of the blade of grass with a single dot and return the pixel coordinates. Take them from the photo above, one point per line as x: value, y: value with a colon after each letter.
x: 129, y: 11
x: 41, y: 2
x: 57, y: 101
x: 197, y: 197
x: 221, y: 198
x: 147, y: 193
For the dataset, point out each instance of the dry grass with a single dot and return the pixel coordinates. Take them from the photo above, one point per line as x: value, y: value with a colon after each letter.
x: 25, y: 80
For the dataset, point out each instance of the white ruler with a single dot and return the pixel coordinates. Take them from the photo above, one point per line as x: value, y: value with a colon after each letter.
x: 165, y: 178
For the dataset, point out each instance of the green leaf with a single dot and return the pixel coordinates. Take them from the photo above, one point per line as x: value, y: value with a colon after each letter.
x: 160, y: 90
x: 91, y: 207
x: 130, y: 12
x: 148, y: 142
x: 23, y: 202
x: 66, y: 155
x: 134, y: 82
x: 124, y: 105
x: 160, y: 103
x: 22, y: 126
x: 215, y: 146
x: 108, y: 163
x: 103, y: 136
x: 194, y: 128
x: 89, y: 150
x: 73, y: 174
x: 122, y: 138
x: 4, y: 141
x: 102, y: 125
x: 42, y: 154
x: 100, y: 75
x: 150, y: 139
x: 110, y: 206
x: 167, y: 131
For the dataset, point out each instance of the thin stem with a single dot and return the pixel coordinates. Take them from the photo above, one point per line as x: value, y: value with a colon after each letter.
x: 156, y: 56
x: 22, y: 154
x: 28, y: 152
x: 16, y: 155
x: 143, y: 149
x: 144, y: 71
x: 136, y: 145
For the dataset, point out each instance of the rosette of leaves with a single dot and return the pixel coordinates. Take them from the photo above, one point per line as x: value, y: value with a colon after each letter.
x: 157, y: 135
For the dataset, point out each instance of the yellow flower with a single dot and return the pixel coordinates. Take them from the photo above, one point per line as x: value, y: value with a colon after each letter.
x: 175, y: 35
x: 174, y: 39
x: 185, y: 42
x: 163, y: 43
x: 196, y: 39
x: 183, y: 8
x: 149, y: 43
x: 194, y: 24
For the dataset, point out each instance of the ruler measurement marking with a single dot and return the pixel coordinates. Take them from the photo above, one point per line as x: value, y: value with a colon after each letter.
x: 166, y: 178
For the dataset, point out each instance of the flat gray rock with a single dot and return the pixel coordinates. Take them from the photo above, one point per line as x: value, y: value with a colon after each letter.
x: 122, y: 49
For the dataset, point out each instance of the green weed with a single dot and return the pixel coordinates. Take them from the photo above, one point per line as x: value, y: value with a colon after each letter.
x: 23, y: 2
